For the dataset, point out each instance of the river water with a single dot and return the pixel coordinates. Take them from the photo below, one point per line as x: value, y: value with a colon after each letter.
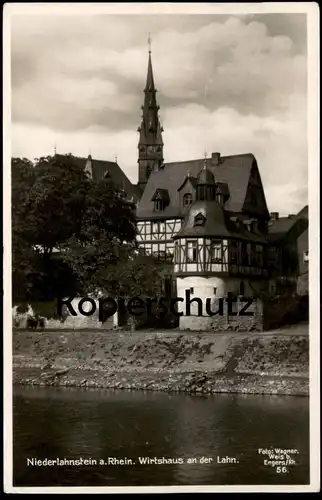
x: 96, y: 424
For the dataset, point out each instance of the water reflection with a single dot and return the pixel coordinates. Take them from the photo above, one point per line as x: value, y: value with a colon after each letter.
x: 97, y: 424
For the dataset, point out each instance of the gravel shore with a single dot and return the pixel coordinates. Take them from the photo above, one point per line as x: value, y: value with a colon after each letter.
x: 172, y: 361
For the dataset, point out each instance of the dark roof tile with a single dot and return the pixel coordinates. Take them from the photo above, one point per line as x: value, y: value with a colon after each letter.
x: 232, y: 170
x: 216, y: 224
x: 101, y: 167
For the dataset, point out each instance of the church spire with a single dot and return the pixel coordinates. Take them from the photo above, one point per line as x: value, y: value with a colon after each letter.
x: 150, y: 142
x: 149, y: 78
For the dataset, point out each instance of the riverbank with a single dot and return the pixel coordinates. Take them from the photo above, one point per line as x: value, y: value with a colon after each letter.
x: 173, y: 361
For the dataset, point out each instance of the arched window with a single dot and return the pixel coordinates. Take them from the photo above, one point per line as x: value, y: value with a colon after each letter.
x: 187, y: 199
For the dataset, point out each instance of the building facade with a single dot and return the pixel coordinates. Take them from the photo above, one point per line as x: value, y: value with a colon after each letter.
x: 289, y: 251
x: 207, y: 219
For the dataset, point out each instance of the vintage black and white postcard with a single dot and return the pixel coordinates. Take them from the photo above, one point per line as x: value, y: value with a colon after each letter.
x: 161, y: 229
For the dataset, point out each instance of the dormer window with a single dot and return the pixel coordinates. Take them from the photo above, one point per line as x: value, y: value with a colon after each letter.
x: 200, y: 220
x: 187, y: 199
x: 158, y: 205
x: 160, y: 199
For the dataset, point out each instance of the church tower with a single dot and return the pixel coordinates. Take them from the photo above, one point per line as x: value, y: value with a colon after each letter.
x: 150, y: 143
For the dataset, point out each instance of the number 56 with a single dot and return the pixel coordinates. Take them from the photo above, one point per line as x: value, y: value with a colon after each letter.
x: 281, y: 469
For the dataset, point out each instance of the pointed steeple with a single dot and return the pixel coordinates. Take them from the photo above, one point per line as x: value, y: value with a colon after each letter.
x: 149, y: 77
x: 150, y: 141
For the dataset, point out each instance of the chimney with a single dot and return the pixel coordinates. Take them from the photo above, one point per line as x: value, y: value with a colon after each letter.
x: 274, y: 215
x: 215, y: 158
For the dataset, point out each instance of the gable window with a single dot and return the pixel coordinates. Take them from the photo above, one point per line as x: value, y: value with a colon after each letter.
x: 187, y: 199
x: 306, y: 257
x: 160, y: 199
x: 200, y: 220
x: 192, y: 251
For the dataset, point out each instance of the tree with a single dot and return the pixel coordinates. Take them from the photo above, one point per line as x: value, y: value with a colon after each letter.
x: 56, y: 202
x: 48, y: 198
x: 92, y: 225
x: 23, y: 255
x: 106, y: 237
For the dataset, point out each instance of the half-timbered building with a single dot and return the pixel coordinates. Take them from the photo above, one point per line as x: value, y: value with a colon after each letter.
x: 207, y: 219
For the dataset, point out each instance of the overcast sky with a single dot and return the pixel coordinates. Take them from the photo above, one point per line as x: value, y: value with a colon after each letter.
x: 232, y: 84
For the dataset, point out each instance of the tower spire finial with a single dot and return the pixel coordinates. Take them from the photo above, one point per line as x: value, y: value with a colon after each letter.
x: 205, y: 160
x: 149, y: 42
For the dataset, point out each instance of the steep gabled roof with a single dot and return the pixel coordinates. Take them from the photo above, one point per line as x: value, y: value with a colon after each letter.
x: 231, y: 170
x: 116, y: 174
x: 192, y: 180
x: 279, y: 228
x: 304, y: 212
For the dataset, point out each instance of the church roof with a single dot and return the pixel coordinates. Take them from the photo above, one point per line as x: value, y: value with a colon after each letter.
x: 234, y: 171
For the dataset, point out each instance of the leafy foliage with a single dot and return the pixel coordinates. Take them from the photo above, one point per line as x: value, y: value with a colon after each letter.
x: 55, y: 202
x: 133, y: 275
x: 71, y: 234
x: 106, y: 236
